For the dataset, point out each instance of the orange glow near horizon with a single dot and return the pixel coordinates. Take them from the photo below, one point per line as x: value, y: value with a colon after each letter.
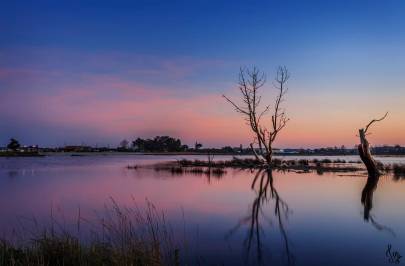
x: 208, y: 119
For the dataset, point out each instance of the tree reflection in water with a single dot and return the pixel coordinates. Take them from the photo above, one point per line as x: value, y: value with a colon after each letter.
x: 367, y: 201
x: 265, y: 193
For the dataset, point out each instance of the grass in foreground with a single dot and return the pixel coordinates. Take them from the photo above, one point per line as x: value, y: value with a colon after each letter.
x: 124, y: 237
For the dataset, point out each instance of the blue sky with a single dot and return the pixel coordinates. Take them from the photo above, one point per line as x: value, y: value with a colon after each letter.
x: 70, y: 58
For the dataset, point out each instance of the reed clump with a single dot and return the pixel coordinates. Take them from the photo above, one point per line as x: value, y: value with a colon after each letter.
x: 301, y: 164
x: 176, y: 169
x: 125, y: 236
x: 399, y: 171
x: 217, y: 168
x: 304, y: 162
x: 235, y: 162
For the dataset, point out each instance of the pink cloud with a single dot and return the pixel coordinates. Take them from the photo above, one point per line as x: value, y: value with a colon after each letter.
x: 112, y: 108
x: 119, y: 95
x: 117, y: 108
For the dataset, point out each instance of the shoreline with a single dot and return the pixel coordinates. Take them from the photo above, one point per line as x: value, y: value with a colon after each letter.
x: 114, y: 153
x: 42, y: 154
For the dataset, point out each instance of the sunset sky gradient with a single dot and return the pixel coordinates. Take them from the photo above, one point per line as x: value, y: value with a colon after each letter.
x: 95, y: 72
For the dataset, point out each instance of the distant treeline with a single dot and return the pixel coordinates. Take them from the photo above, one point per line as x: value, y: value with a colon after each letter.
x: 379, y: 150
x: 157, y: 144
x: 167, y: 144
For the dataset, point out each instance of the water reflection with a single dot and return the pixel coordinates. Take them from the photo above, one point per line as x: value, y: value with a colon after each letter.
x: 265, y: 192
x: 367, y: 201
x: 367, y: 195
x: 208, y: 172
x: 326, y: 208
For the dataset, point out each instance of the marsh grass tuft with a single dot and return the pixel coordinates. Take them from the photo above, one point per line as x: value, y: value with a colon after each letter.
x: 301, y: 165
x: 124, y: 236
x: 399, y: 171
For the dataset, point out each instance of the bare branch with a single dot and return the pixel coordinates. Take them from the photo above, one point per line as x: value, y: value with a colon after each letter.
x: 375, y: 120
x: 238, y: 109
x: 263, y: 113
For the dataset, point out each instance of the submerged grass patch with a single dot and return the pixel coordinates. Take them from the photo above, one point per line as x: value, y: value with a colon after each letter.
x: 301, y: 165
x: 218, y: 168
x: 176, y: 169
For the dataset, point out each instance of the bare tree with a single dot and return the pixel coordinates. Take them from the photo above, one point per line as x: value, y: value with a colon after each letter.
x: 364, y: 149
x: 250, y: 81
x: 373, y: 176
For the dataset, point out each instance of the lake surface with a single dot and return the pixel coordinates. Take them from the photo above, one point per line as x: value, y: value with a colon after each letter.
x: 285, y: 219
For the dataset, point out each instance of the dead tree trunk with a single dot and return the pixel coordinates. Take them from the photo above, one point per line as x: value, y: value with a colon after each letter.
x: 365, y: 155
x: 364, y: 150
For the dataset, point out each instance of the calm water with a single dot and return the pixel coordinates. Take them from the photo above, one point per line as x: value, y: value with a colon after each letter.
x: 287, y: 218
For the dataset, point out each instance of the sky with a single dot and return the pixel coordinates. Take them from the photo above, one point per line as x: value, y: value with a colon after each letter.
x: 97, y: 72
